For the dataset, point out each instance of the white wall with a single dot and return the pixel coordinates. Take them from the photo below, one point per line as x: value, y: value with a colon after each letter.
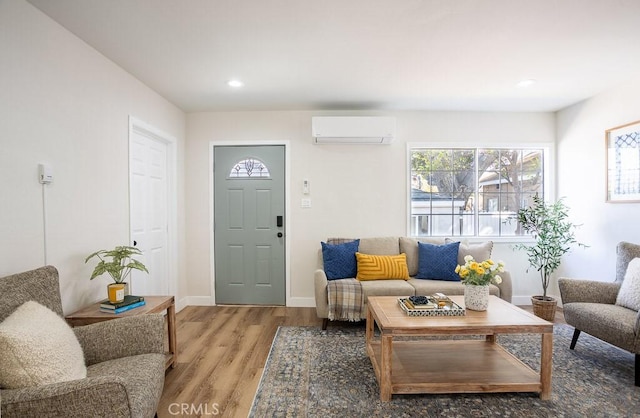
x: 582, y: 179
x: 64, y: 104
x: 356, y: 191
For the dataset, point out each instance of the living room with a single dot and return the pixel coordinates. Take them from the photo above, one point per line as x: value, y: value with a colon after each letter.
x: 68, y: 105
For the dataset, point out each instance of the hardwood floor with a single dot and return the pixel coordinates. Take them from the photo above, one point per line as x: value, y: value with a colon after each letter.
x: 221, y: 354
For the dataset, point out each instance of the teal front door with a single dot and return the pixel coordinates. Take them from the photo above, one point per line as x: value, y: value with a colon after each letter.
x: 249, y: 235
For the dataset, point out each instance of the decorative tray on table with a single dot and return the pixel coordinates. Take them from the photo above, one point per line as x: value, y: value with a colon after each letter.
x: 437, y: 305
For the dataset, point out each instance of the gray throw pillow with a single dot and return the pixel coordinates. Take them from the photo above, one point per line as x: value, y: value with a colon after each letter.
x: 479, y: 251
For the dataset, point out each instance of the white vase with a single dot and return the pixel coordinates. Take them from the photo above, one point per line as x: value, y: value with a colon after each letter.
x: 476, y: 298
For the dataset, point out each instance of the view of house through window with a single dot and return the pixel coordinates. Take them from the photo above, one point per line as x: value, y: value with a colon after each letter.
x: 472, y: 191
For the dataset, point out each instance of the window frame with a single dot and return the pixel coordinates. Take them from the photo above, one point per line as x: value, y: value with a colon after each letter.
x: 549, y: 173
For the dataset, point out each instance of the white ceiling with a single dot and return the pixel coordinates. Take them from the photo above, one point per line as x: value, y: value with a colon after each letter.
x: 364, y: 54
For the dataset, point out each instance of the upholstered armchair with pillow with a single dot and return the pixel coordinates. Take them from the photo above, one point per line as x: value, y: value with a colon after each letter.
x: 109, y: 369
x: 608, y: 310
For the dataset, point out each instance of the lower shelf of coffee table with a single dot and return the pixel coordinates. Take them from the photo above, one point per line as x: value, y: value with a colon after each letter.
x: 454, y: 366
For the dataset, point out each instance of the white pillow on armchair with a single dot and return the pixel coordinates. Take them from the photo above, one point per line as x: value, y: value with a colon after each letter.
x: 38, y: 347
x: 629, y: 293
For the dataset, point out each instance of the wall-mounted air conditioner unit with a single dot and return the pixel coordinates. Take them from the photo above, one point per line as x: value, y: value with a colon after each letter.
x: 353, y: 129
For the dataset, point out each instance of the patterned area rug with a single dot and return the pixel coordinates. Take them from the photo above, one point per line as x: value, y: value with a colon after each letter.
x: 315, y: 373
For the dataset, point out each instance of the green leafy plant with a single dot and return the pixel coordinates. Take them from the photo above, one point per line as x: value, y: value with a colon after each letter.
x: 553, y: 233
x: 117, y: 262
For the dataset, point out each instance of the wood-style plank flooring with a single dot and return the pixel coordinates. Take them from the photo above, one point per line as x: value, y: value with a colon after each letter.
x: 221, y: 355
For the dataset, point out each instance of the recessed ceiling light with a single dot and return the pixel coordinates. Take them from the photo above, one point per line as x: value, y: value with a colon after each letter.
x: 235, y: 83
x: 526, y: 83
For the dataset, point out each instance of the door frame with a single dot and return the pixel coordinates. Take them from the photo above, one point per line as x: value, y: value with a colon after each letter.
x: 287, y: 210
x: 151, y: 132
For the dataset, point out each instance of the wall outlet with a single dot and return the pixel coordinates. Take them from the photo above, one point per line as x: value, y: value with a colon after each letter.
x: 305, y: 203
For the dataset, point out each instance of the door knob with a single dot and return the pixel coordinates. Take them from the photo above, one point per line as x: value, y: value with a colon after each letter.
x: 279, y: 234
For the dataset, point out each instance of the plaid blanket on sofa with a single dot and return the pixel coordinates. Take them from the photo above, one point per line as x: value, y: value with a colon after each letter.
x: 346, y: 300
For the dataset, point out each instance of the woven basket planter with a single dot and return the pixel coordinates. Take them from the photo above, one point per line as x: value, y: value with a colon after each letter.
x: 545, y: 309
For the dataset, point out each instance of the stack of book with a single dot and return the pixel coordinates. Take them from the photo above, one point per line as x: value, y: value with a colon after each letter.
x: 129, y: 302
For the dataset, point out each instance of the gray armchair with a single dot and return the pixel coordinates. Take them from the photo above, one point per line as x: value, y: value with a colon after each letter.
x: 590, y: 306
x: 124, y: 358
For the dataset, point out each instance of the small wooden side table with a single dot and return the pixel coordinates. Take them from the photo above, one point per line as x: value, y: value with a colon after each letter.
x: 153, y: 304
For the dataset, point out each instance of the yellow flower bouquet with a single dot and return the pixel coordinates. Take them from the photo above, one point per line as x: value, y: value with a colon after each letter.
x: 480, y: 273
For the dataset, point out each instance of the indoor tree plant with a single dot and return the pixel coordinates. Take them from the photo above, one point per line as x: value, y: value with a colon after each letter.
x: 118, y: 263
x: 553, y: 234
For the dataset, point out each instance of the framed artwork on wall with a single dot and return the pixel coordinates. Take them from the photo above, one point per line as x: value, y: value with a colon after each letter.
x: 623, y: 163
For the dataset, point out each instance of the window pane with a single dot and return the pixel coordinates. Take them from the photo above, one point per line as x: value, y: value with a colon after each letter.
x: 442, y: 225
x: 532, y: 171
x: 467, y: 226
x: 420, y: 225
x: 443, y: 186
x: 464, y: 192
x: 489, y: 224
x: 444, y: 182
x: 507, y: 174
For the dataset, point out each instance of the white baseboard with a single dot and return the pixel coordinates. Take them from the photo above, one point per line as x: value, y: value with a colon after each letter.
x: 193, y: 301
x: 526, y: 300
x: 302, y: 302
x: 206, y: 301
x: 310, y: 302
x: 521, y: 300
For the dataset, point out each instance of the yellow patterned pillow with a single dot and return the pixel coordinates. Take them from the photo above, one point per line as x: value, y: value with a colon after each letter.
x: 381, y: 267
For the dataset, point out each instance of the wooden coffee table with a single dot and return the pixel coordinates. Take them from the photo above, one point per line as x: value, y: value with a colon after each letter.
x: 419, y: 365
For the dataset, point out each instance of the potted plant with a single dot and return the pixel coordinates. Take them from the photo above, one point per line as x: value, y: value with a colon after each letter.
x: 554, y: 235
x: 118, y: 263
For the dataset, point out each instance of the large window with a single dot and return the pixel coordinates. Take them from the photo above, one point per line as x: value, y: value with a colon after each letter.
x: 472, y: 191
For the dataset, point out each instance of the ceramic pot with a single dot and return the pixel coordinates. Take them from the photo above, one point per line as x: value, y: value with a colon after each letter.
x: 476, y: 297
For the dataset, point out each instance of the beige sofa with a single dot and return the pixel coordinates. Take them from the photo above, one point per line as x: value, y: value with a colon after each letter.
x: 413, y: 286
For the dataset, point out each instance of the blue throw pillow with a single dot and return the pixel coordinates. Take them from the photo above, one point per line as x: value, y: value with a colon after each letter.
x: 438, y: 262
x: 340, y: 259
